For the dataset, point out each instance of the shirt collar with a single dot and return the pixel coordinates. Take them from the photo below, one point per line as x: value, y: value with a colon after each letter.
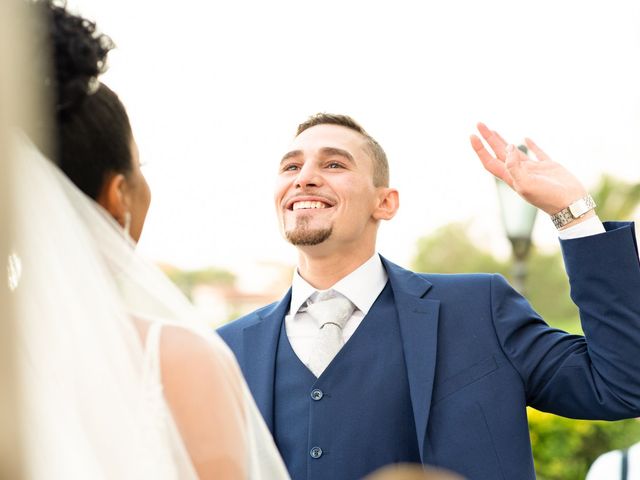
x: 362, y: 286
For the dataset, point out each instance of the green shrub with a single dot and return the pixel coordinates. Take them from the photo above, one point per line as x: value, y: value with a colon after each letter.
x: 563, y: 449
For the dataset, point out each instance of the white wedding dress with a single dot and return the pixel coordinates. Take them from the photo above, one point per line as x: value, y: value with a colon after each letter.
x: 263, y: 462
x: 170, y: 452
x: 91, y: 384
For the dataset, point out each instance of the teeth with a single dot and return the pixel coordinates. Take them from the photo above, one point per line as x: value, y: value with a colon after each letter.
x: 305, y: 205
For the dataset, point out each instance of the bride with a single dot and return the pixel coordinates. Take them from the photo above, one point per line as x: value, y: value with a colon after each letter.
x: 120, y: 379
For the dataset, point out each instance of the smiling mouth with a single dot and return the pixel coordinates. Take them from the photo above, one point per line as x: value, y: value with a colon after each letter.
x: 307, y: 205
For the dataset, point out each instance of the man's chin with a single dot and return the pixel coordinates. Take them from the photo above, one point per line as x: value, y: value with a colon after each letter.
x: 302, y: 237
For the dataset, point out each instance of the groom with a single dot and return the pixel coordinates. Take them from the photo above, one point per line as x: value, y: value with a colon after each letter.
x: 434, y: 369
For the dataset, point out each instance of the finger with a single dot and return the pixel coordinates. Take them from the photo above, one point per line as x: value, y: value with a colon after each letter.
x: 495, y: 142
x: 514, y: 161
x: 490, y: 163
x: 502, y: 141
x: 540, y: 155
x: 514, y: 154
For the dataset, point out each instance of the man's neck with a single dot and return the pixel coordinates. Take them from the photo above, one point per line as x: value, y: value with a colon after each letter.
x: 324, y: 271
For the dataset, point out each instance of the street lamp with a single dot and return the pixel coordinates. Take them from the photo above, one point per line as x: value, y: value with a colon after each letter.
x: 518, y: 218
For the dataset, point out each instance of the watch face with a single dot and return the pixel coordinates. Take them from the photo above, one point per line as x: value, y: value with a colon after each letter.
x: 579, y: 208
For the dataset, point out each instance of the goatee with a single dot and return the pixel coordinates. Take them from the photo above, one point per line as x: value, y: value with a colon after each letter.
x: 301, y: 235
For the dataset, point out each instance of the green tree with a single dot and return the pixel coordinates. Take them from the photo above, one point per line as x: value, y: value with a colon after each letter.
x: 563, y: 448
x: 547, y: 289
x: 616, y: 199
x: 450, y: 250
x: 187, y: 279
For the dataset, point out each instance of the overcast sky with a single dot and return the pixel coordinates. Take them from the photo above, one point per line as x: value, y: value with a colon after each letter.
x: 215, y: 90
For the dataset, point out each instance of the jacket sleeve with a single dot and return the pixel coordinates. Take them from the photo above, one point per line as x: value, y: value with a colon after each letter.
x: 596, y: 376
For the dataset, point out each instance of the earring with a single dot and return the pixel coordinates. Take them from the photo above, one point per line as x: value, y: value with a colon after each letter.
x: 127, y: 225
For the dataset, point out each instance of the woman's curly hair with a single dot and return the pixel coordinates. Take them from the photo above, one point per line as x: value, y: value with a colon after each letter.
x: 79, y: 54
x: 91, y: 130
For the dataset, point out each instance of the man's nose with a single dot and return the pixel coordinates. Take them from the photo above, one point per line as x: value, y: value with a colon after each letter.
x: 308, y: 176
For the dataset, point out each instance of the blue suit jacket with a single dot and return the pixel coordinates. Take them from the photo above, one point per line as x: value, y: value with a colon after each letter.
x: 477, y: 354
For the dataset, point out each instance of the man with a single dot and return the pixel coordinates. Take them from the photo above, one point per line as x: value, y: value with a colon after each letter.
x: 436, y: 369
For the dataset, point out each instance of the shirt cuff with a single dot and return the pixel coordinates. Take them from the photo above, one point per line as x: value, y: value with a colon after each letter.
x: 591, y: 226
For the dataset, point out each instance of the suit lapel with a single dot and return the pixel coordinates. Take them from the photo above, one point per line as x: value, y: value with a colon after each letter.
x: 418, y: 318
x: 259, y: 354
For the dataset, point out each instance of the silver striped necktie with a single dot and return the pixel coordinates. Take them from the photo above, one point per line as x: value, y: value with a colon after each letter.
x: 331, y: 311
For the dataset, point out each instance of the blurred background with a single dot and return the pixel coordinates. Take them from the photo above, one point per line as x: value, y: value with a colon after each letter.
x: 215, y: 91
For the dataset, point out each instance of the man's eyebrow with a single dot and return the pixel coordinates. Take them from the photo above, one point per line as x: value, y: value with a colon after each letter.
x: 324, y: 151
x: 291, y: 154
x: 328, y: 151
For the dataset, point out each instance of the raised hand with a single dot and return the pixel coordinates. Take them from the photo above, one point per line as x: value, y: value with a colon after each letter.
x: 542, y: 182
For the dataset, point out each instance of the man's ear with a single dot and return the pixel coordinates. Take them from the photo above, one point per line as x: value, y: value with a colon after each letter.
x: 113, y: 197
x: 388, y: 204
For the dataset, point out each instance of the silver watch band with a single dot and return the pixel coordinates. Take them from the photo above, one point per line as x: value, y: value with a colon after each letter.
x: 576, y: 210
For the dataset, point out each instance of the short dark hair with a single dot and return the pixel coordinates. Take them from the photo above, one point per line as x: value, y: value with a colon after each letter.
x: 380, y: 163
x: 91, y: 129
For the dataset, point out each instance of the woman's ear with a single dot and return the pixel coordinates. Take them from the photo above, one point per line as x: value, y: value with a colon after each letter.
x: 388, y: 204
x: 113, y: 198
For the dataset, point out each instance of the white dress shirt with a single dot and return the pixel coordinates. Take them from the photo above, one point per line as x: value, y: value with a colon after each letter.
x: 591, y: 226
x: 362, y: 287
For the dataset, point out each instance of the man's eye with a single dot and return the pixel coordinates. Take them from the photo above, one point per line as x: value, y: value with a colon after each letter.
x: 289, y: 168
x: 334, y: 165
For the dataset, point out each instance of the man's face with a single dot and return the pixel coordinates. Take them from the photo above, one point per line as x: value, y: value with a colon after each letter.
x: 325, y: 192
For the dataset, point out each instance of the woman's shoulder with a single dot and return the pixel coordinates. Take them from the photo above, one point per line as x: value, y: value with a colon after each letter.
x: 183, y: 345
x: 203, y: 387
x: 187, y: 354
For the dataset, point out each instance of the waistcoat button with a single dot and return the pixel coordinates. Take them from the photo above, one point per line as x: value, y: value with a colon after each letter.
x: 316, y: 452
x: 317, y: 394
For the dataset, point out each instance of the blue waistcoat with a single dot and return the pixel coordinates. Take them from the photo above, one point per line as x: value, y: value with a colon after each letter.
x: 317, y: 421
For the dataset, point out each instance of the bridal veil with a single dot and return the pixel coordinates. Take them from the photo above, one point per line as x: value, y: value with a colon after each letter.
x: 75, y: 282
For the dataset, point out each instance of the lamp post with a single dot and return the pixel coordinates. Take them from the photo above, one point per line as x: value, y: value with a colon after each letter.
x: 518, y: 218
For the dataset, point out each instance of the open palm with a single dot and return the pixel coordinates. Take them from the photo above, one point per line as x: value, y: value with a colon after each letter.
x: 541, y: 181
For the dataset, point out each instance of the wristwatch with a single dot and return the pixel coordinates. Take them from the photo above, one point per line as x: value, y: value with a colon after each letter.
x: 576, y: 210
